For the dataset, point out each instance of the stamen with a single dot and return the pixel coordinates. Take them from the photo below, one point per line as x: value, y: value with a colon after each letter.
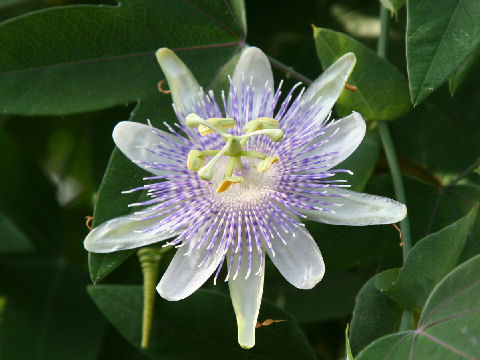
x: 233, y: 147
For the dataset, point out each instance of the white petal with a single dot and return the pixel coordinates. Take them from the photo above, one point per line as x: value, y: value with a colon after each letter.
x: 184, y: 275
x: 246, y: 295
x: 183, y: 85
x: 358, y: 209
x: 330, y: 84
x: 122, y: 233
x: 343, y: 136
x: 299, y: 260
x: 253, y: 68
x: 133, y: 139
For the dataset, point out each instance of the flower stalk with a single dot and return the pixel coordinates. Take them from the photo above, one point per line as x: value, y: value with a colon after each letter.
x: 149, y: 258
x: 389, y: 149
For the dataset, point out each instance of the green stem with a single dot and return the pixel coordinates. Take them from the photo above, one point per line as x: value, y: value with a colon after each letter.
x: 389, y: 149
x: 149, y: 258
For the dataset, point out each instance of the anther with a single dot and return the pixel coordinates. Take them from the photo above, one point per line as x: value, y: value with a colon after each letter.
x: 195, y: 161
x: 227, y: 181
x: 261, y: 124
x: 264, y: 165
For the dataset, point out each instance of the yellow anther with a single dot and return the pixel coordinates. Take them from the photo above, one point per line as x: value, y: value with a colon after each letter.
x: 260, y: 124
x: 222, y: 123
x: 227, y: 181
x: 195, y: 160
x: 264, y: 165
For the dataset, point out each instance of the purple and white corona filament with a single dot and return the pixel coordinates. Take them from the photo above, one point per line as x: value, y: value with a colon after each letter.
x: 234, y: 178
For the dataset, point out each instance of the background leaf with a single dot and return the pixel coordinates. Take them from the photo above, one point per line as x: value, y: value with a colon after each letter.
x: 24, y: 207
x: 14, y: 240
x: 430, y: 40
x: 375, y: 102
x: 176, y: 334
x: 50, y: 303
x: 460, y: 74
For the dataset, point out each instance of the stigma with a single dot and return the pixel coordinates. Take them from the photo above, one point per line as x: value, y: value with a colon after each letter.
x: 233, y: 148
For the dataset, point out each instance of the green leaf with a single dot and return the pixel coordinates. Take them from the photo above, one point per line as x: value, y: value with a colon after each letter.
x: 374, y: 315
x: 447, y: 146
x: 203, y: 324
x: 382, y: 92
x: 13, y: 239
x: 449, y: 326
x: 332, y: 298
x: 101, y: 265
x: 106, y: 53
x: 458, y: 76
x: 26, y: 194
x: 47, y: 314
x: 430, y: 40
x: 427, y: 263
x: 393, y: 5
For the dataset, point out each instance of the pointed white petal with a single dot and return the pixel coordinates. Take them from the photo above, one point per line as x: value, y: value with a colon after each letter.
x: 185, y: 274
x: 135, y: 140
x: 299, y: 260
x: 246, y: 295
x: 124, y: 233
x: 253, y: 69
x: 330, y: 84
x: 343, y: 136
x: 183, y: 85
x: 357, y: 209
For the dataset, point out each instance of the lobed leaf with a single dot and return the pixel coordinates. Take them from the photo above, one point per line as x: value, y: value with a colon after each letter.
x: 374, y: 315
x: 449, y: 325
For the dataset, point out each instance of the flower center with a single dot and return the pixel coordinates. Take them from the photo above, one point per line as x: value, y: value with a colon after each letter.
x: 233, y: 147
